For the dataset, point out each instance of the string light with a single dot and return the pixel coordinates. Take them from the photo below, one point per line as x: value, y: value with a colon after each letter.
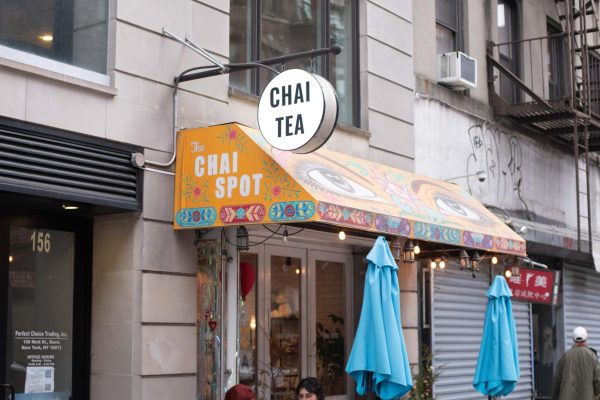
x: 342, y: 235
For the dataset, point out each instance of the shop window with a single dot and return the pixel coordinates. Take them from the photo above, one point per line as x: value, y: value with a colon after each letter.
x: 72, y: 32
x: 331, y: 322
x: 270, y: 28
x: 447, y: 25
x: 285, y: 328
x: 248, y: 320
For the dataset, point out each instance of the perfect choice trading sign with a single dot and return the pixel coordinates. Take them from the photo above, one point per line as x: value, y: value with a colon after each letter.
x: 297, y: 111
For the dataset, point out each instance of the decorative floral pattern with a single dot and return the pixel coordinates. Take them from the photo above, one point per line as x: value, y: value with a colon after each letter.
x: 436, y: 233
x: 190, y: 217
x: 292, y: 211
x: 230, y: 136
x: 194, y: 191
x: 242, y: 213
x: 278, y: 184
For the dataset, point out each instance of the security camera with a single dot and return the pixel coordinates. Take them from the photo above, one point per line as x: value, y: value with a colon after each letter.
x: 481, y: 176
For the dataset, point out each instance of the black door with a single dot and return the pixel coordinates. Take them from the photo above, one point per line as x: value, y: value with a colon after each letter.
x: 45, y: 274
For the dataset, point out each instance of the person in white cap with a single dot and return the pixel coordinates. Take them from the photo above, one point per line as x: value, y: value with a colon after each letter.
x: 577, y: 374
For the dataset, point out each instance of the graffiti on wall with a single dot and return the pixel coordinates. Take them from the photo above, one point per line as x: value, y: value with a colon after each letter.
x: 498, y: 153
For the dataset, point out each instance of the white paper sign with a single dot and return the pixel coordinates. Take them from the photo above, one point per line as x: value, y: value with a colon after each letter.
x: 39, y: 380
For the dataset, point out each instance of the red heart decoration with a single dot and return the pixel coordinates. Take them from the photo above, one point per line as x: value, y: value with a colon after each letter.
x: 212, y: 324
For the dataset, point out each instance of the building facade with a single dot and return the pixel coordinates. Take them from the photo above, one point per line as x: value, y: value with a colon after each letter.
x: 109, y: 301
x: 508, y: 128
x: 89, y: 83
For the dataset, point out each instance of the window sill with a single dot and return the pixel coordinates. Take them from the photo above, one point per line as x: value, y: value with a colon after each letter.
x: 46, y: 68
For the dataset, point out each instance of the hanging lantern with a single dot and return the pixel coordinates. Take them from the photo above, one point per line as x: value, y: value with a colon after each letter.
x: 247, y: 278
x: 243, y: 242
x: 463, y: 259
x: 408, y: 254
x: 475, y: 259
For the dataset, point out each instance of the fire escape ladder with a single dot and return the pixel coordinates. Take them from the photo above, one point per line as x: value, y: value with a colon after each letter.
x: 580, y: 22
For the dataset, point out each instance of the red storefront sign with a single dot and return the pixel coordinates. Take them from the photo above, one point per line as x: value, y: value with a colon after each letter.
x: 532, y: 285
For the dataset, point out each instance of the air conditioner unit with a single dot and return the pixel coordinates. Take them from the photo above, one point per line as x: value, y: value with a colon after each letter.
x: 457, y: 70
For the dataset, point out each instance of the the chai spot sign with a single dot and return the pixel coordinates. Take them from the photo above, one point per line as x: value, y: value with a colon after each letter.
x: 297, y: 111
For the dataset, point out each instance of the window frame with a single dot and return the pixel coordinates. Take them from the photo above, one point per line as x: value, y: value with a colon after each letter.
x: 458, y: 33
x: 325, y: 60
x: 63, y: 71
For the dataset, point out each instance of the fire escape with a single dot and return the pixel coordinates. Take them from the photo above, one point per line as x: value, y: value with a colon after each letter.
x: 550, y: 86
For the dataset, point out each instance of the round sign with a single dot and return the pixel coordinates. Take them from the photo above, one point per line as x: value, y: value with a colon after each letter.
x: 297, y: 111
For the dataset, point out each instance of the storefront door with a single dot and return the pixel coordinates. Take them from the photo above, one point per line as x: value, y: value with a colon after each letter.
x: 44, y: 298
x: 298, y: 320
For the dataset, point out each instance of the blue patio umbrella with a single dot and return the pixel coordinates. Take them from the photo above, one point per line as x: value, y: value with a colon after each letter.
x: 497, y: 371
x: 378, y: 361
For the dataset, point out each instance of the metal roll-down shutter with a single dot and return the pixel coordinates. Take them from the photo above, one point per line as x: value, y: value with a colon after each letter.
x: 458, y: 309
x: 581, y: 290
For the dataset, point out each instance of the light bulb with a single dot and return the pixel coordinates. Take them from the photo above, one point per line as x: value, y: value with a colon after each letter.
x: 494, y: 260
x: 252, y: 323
x: 10, y: 259
x: 297, y: 271
x: 417, y: 249
x: 285, y: 235
x: 433, y: 265
x: 442, y: 264
x: 342, y: 235
x: 507, y: 273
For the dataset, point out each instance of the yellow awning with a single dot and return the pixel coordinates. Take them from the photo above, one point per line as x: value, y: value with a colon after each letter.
x: 228, y: 175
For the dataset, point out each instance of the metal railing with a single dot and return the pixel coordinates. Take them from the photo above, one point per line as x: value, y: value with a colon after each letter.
x: 537, y: 69
x: 528, y: 70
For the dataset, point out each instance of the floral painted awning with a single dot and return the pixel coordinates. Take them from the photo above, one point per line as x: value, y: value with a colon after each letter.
x: 228, y: 175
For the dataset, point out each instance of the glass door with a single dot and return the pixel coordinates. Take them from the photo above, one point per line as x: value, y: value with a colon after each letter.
x: 284, y: 350
x: 330, y: 320
x: 39, y: 332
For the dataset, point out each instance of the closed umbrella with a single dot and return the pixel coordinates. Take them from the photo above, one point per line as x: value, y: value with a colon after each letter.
x: 497, y: 371
x: 378, y: 361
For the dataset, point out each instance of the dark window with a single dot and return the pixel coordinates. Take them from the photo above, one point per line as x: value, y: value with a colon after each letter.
x: 447, y: 27
x: 70, y: 31
x: 556, y: 60
x: 269, y: 28
x: 508, y: 47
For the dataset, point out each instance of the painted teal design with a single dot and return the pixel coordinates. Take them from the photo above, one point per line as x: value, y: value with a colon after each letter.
x: 291, y: 210
x: 202, y: 216
x: 436, y: 233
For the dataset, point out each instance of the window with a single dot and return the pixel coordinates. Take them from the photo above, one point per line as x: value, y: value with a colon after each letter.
x: 264, y: 29
x: 447, y: 26
x: 72, y: 32
x: 556, y: 57
x: 508, y: 48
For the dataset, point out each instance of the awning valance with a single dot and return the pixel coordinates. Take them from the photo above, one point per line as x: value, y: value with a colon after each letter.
x: 228, y: 175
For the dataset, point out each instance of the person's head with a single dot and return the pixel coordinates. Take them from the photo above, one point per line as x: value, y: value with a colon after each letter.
x: 309, y: 388
x: 240, y: 392
x: 580, y: 335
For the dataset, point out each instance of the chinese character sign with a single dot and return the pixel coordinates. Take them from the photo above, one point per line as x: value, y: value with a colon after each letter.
x: 532, y: 285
